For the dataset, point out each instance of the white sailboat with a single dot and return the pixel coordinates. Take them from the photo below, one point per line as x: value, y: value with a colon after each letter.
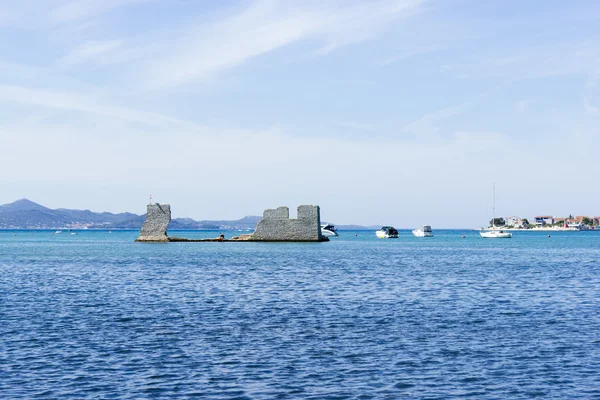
x: 495, y: 234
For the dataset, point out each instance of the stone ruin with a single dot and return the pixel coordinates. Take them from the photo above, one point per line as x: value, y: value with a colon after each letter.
x: 275, y: 226
x: 158, y: 217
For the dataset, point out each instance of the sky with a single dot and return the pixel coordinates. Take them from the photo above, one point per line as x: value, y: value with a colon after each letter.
x: 399, y: 112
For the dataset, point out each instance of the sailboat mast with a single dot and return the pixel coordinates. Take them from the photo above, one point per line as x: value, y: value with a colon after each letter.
x: 494, y: 207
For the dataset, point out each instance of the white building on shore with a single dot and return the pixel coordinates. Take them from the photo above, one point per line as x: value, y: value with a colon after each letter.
x: 515, y: 222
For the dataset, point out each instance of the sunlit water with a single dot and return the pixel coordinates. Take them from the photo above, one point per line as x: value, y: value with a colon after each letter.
x: 95, y: 315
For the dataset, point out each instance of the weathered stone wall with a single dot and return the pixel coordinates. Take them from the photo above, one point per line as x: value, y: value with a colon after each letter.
x: 158, y: 217
x: 276, y: 225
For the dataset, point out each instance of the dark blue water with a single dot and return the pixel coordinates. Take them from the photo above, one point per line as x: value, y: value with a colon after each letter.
x: 95, y: 315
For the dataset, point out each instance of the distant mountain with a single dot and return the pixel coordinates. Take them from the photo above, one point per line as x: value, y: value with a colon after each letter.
x: 25, y: 213
x: 22, y: 205
x: 357, y: 227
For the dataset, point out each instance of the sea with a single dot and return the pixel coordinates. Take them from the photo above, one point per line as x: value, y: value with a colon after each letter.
x: 93, y: 315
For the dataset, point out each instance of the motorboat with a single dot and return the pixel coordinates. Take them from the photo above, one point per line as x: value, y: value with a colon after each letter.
x: 424, y: 231
x: 496, y: 235
x: 57, y: 232
x: 387, y: 232
x: 328, y: 230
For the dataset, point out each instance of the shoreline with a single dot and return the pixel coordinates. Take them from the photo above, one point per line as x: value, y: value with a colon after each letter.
x: 550, y: 229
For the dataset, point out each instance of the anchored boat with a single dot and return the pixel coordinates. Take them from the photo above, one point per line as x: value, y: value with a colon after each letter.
x: 495, y: 234
x: 328, y: 230
x: 424, y: 231
x: 387, y: 232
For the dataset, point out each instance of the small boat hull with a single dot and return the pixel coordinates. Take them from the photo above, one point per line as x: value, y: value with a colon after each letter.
x: 424, y: 231
x: 385, y: 235
x: 420, y: 233
x: 496, y: 235
x: 328, y: 230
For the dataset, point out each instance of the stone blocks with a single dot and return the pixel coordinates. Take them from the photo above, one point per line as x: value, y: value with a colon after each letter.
x: 276, y: 226
x: 158, y: 217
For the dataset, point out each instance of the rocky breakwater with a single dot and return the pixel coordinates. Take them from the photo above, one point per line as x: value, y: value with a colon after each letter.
x: 277, y: 226
x: 158, y: 217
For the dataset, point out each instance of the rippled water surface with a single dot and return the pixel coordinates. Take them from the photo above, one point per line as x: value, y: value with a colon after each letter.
x: 95, y: 315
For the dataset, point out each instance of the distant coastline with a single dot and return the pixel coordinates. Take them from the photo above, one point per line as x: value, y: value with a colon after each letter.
x: 539, y: 229
x: 26, y: 214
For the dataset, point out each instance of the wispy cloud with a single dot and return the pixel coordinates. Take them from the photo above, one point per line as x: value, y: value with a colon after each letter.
x: 79, y: 9
x: 92, y: 50
x: 531, y: 61
x: 71, y: 73
x: 265, y: 26
x: 354, y: 125
x: 427, y: 125
x: 61, y: 100
x: 409, y: 53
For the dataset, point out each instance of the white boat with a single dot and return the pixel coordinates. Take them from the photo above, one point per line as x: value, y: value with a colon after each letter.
x: 424, y: 231
x: 57, y: 232
x: 387, y: 232
x: 494, y: 233
x: 328, y: 230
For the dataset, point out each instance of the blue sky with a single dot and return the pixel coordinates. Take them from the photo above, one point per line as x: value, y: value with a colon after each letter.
x: 395, y: 112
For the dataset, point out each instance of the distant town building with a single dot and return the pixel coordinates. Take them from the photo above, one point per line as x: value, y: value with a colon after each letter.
x: 597, y: 220
x: 574, y: 222
x: 544, y: 220
x: 515, y: 221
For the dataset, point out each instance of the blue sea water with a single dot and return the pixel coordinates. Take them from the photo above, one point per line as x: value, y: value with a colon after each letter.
x: 95, y: 315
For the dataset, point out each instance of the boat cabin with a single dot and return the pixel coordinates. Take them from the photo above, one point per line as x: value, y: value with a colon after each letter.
x: 390, y: 230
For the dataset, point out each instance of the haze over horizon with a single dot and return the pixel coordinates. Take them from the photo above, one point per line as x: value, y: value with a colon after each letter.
x: 400, y: 112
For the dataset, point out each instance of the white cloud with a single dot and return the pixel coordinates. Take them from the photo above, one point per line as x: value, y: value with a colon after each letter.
x: 223, y: 173
x: 76, y: 102
x: 205, y: 176
x: 427, y: 126
x: 80, y: 9
x: 354, y: 125
x: 266, y: 26
x: 409, y: 53
x: 523, y: 62
x: 61, y: 110
x: 92, y: 50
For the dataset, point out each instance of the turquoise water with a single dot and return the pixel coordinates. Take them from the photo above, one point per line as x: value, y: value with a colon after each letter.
x: 95, y: 315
